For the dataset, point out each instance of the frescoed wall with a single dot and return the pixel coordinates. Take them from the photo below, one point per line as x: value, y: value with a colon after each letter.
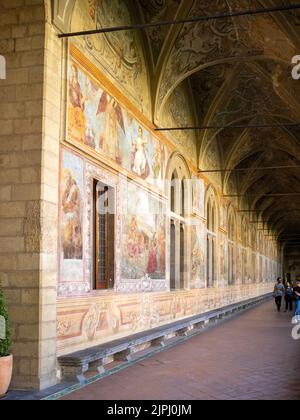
x: 72, y: 221
x: 140, y: 237
x: 92, y: 320
x: 109, y: 141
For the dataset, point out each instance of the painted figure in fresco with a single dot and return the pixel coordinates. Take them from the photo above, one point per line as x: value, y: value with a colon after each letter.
x: 135, y: 242
x: 77, y: 118
x: 71, y: 205
x: 162, y: 249
x: 109, y: 142
x: 158, y: 159
x: 152, y: 261
x: 197, y: 262
x: 140, y: 163
x: 90, y: 138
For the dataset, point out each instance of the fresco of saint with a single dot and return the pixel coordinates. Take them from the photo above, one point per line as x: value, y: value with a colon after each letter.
x: 109, y: 141
x: 198, y: 252
x: 162, y: 246
x: 152, y: 261
x: 158, y: 159
x: 140, y: 163
x: 71, y: 205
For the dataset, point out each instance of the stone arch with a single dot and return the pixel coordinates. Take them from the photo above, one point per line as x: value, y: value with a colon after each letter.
x: 231, y: 223
x: 177, y: 165
x: 179, y: 192
x: 62, y: 11
x: 212, y: 214
x: 211, y: 194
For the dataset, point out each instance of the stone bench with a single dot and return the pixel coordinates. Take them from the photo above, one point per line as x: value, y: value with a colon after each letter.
x: 74, y: 366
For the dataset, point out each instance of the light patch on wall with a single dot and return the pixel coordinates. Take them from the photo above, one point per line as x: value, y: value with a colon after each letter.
x: 2, y: 68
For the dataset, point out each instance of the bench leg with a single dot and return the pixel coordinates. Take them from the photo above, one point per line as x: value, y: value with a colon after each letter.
x: 124, y: 356
x: 159, y: 342
x: 74, y: 373
x: 199, y: 325
x: 183, y: 332
x: 97, y: 367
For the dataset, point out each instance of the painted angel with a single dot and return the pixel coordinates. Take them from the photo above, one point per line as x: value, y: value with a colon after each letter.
x: 114, y: 120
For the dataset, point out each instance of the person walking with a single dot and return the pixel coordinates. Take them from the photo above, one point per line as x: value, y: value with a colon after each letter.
x: 289, y: 297
x: 297, y: 302
x: 279, y: 291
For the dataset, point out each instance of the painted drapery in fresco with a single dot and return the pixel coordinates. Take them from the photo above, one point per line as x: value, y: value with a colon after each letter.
x: 97, y: 120
x: 144, y: 235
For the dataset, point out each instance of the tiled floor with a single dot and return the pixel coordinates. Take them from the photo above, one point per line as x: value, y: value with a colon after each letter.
x: 252, y: 356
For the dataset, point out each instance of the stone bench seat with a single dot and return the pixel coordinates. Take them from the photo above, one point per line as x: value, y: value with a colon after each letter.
x: 74, y: 366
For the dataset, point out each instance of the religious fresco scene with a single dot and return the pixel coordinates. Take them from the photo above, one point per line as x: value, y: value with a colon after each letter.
x: 97, y: 120
x: 149, y: 200
x: 72, y: 204
x: 144, y: 236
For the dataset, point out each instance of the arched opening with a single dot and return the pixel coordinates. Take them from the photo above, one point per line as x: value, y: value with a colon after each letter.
x: 173, y: 255
x: 179, y: 205
x: 244, y: 231
x: 177, y: 227
x: 173, y: 191
x: 261, y: 258
x: 231, y: 248
x: 211, y: 216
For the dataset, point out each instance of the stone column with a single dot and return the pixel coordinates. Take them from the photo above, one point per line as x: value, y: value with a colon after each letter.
x: 29, y: 156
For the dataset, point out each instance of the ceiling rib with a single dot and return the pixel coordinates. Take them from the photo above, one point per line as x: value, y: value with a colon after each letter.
x: 261, y: 168
x: 228, y: 127
x: 138, y: 26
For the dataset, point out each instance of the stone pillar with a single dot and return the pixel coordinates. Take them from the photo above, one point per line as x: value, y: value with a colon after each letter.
x: 29, y: 150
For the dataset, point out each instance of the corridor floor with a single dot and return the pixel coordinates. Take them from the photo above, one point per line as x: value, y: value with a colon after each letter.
x: 252, y: 356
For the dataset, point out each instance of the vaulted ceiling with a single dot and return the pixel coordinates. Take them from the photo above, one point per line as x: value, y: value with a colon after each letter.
x: 239, y: 73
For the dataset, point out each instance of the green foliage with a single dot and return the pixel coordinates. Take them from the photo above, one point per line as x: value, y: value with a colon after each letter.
x: 5, y: 345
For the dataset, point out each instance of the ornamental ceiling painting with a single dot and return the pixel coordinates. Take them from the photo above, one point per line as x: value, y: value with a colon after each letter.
x: 234, y: 71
